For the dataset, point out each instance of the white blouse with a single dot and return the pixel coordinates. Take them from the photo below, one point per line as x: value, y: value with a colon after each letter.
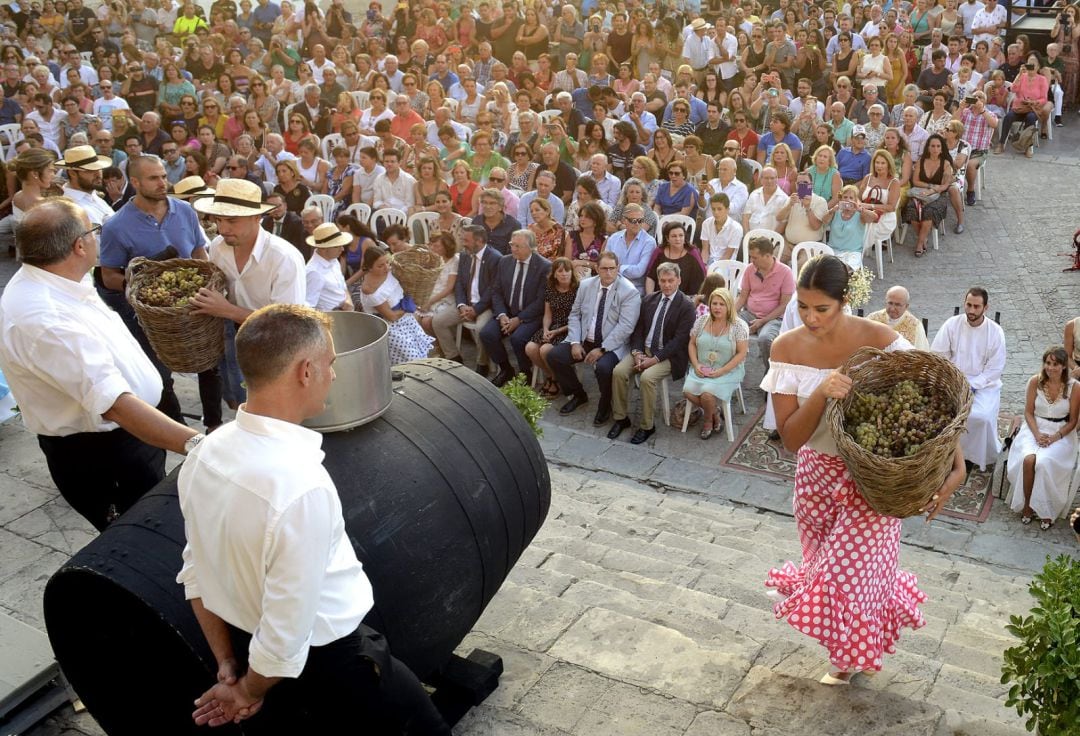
x: 802, y: 381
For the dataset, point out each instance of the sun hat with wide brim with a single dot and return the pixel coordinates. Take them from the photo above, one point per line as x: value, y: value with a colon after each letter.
x: 328, y: 235
x: 699, y: 24
x: 83, y: 158
x: 233, y: 198
x: 192, y: 186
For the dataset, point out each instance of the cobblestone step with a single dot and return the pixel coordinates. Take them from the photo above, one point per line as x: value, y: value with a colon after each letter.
x: 691, y: 573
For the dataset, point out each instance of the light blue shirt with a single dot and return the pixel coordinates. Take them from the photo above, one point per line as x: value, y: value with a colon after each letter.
x: 634, y: 256
x: 558, y: 209
x: 648, y: 122
x: 699, y: 110
x: 132, y: 232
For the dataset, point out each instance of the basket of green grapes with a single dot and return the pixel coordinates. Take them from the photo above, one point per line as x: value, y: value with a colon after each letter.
x: 899, y: 426
x: 160, y: 292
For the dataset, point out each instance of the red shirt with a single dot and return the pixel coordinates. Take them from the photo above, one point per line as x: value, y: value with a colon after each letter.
x: 401, y: 124
x: 747, y: 142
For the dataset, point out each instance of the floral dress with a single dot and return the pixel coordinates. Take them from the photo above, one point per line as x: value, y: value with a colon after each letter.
x: 333, y: 186
x: 561, y: 304
x: 586, y: 252
x: 848, y: 592
x: 521, y: 181
x: 549, y: 244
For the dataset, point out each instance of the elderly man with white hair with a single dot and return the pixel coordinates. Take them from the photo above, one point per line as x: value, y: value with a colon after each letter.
x: 608, y: 185
x: 913, y: 134
x: 727, y: 182
x: 896, y: 314
x: 763, y: 207
x: 642, y: 120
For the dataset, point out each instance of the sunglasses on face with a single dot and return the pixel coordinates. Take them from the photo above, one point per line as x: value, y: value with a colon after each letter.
x: 635, y: 220
x: 496, y: 179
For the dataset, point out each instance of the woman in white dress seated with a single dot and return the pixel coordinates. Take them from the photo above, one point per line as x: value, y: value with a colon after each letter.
x: 381, y: 294
x: 1044, y: 450
x: 325, y: 279
x: 442, y: 294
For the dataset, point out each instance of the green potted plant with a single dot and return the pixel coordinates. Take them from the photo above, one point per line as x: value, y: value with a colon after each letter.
x: 1044, y: 667
x: 531, y: 404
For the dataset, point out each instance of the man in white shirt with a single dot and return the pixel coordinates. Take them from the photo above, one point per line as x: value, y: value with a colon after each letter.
x: 644, y: 122
x: 325, y: 284
x: 109, y: 106
x: 260, y: 268
x: 394, y: 188
x: 366, y: 175
x: 699, y: 50
x: 913, y: 134
x: 268, y: 566
x: 721, y: 233
x: 83, y: 384
x: 442, y: 117
x: 393, y: 74
x: 319, y: 63
x: 728, y: 52
x: 726, y: 182
x: 47, y: 117
x: 84, y: 168
x: 967, y: 11
x: 976, y: 345
x: 988, y: 22
x: 764, y: 204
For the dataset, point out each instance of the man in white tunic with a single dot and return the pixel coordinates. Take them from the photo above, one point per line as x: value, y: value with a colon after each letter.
x: 976, y: 345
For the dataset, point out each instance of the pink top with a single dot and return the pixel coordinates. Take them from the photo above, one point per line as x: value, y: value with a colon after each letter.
x: 625, y: 88
x: 1035, y: 88
x: 764, y: 294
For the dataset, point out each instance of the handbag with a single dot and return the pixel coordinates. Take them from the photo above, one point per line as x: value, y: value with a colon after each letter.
x: 924, y: 194
x: 678, y: 414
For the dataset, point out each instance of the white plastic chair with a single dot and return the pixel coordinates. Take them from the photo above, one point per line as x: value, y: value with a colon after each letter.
x: 810, y: 249
x: 360, y: 211
x: 10, y: 134
x: 451, y: 104
x: 685, y: 220
x: 878, y: 246
x: 387, y: 215
x: 776, y: 238
x: 421, y: 225
x: 391, y: 95
x: 548, y: 115
x: 288, y: 113
x: 324, y: 202
x: 901, y: 234
x: 725, y: 407
x: 732, y: 272
x: 360, y: 97
x: 329, y: 143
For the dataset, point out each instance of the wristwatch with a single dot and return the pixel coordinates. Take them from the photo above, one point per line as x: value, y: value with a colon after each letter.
x: 193, y: 442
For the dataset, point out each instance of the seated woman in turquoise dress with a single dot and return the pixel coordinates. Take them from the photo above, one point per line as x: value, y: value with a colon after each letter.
x: 718, y: 346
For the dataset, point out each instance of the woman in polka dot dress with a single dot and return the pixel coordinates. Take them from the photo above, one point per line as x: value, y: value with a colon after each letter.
x: 848, y: 592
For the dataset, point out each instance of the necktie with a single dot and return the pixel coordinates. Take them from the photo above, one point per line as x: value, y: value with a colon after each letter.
x: 598, y: 328
x: 277, y: 226
x: 519, y: 283
x: 656, y: 339
x: 472, y: 275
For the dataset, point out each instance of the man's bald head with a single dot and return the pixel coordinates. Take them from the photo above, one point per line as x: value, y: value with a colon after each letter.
x: 897, y: 301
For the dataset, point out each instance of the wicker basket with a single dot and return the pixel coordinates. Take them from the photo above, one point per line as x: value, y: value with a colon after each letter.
x: 184, y: 342
x: 417, y: 269
x: 902, y: 486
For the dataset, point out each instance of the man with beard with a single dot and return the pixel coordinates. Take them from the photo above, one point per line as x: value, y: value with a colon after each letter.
x: 84, y: 168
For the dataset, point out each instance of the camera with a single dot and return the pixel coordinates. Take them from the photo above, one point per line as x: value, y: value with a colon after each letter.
x: 970, y: 100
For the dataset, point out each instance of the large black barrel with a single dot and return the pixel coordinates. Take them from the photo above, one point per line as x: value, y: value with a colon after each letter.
x: 440, y: 495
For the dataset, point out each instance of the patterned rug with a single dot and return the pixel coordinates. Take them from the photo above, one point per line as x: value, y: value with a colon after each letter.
x: 753, y: 451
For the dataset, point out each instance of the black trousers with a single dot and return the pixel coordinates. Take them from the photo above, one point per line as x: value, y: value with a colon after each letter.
x: 96, y: 470
x: 209, y: 380
x: 350, y: 686
x: 561, y: 360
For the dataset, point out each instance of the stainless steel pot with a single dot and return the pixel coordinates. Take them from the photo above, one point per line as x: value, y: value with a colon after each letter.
x: 362, y: 390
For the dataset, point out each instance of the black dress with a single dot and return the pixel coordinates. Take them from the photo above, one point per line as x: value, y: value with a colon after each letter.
x: 561, y: 304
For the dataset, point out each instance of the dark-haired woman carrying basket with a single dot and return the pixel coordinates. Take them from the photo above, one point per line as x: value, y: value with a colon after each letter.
x: 848, y: 592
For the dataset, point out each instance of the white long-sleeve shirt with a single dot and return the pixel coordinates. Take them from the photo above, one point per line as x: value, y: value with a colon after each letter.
x: 274, y: 274
x: 325, y: 283
x: 979, y: 352
x: 266, y: 545
x: 399, y: 194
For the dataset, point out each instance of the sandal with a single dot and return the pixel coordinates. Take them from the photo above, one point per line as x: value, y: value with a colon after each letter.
x: 920, y: 252
x: 550, y: 388
x: 1025, y: 520
x: 706, y: 432
x: 1044, y: 524
x: 830, y: 679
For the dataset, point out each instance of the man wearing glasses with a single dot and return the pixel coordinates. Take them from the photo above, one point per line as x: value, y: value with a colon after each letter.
x: 86, y: 387
x: 108, y: 108
x: 72, y: 60
x: 633, y: 246
x: 47, y: 116
x: 139, y: 90
x: 175, y: 165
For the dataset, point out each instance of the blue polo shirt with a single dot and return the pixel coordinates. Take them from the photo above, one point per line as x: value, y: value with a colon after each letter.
x: 8, y: 111
x: 853, y: 166
x: 131, y: 233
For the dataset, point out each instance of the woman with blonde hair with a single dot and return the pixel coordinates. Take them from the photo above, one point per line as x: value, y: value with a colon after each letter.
x: 34, y: 170
x: 719, y: 341
x: 786, y: 168
x: 463, y: 190
x: 550, y: 235
x: 826, y: 175
x: 346, y: 109
x: 880, y: 191
x: 429, y: 182
x: 445, y: 246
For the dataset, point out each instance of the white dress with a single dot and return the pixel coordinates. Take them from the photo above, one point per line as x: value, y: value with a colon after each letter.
x: 1053, y: 464
x: 408, y: 341
x: 450, y: 268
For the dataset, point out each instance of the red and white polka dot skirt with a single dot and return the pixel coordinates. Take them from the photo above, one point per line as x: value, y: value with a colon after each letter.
x: 847, y: 593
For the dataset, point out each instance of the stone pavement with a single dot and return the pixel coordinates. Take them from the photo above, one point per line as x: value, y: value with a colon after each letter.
x: 639, y: 607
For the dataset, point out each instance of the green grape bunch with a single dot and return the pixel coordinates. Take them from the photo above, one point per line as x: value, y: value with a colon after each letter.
x: 897, y: 422
x: 172, y: 288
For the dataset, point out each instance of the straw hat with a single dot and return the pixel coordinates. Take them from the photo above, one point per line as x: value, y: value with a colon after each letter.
x: 233, y: 198
x: 699, y: 24
x: 192, y: 186
x: 328, y: 235
x: 83, y: 158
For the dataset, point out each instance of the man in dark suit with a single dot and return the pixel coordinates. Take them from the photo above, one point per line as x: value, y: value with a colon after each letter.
x: 658, y: 349
x: 517, y: 301
x: 286, y: 225
x: 602, y: 320
x: 478, y: 269
x: 314, y: 110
